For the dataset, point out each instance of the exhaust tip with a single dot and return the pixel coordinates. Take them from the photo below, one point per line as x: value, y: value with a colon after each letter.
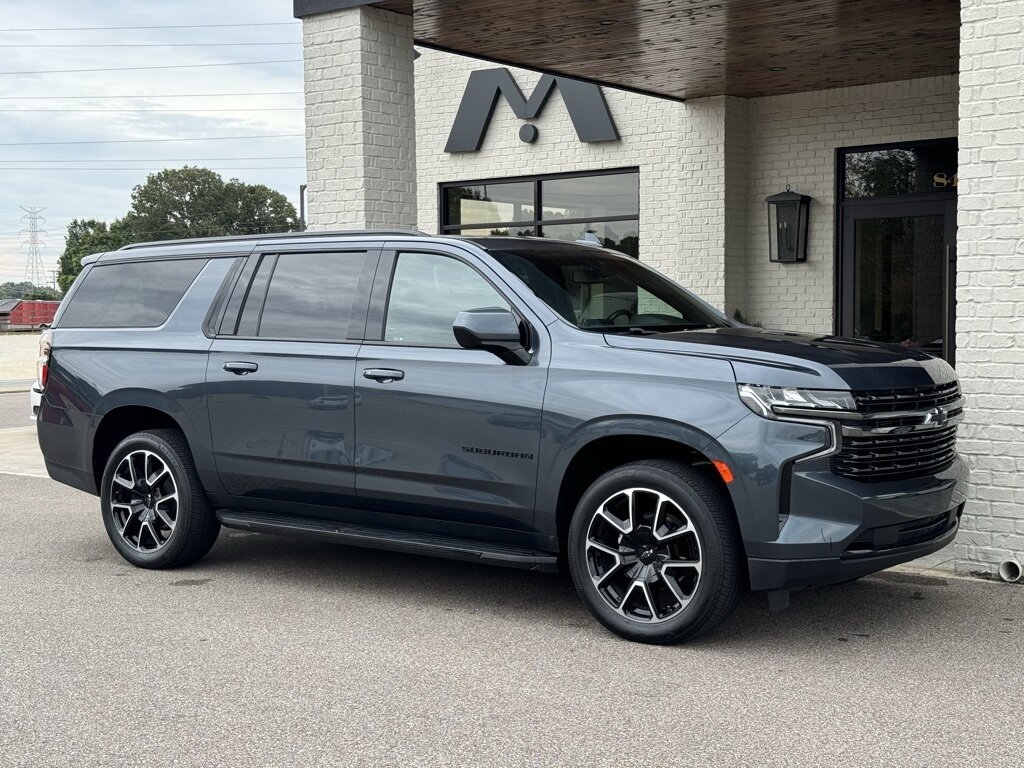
x: 1011, y: 571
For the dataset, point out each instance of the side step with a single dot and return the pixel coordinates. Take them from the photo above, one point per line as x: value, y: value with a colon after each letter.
x: 397, y: 541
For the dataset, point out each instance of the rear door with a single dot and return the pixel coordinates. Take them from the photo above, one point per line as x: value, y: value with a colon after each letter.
x: 280, y: 378
x: 442, y: 432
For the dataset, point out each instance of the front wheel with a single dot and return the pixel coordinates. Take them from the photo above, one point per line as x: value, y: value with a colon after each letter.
x: 155, y: 510
x: 654, y: 552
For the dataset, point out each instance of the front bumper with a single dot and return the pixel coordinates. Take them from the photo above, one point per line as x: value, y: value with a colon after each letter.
x: 839, y: 529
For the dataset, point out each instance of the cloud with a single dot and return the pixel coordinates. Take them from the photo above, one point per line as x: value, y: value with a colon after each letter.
x: 68, y: 179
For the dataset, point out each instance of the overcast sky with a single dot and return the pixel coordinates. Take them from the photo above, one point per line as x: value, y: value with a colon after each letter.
x: 77, y: 180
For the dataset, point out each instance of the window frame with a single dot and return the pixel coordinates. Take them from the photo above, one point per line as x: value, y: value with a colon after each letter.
x: 538, y: 222
x: 354, y: 332
x: 380, y: 299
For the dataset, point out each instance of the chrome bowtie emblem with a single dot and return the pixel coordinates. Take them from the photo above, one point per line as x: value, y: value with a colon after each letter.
x: 936, y: 416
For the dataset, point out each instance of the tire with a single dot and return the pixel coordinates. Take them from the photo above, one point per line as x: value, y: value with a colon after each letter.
x: 654, y: 552
x: 167, y: 522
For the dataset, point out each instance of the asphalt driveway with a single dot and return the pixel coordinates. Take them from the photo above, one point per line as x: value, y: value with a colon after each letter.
x: 275, y: 651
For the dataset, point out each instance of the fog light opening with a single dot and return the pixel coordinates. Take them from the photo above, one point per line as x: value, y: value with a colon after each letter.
x: 1011, y: 571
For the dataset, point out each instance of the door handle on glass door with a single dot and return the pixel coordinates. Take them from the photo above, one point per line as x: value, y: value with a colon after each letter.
x: 241, y: 368
x: 383, y: 375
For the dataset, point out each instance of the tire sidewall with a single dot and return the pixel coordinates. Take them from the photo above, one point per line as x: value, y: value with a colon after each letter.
x: 701, y: 517
x: 167, y: 454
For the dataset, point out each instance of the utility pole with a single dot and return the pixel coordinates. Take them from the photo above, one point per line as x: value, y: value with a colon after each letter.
x: 35, y: 272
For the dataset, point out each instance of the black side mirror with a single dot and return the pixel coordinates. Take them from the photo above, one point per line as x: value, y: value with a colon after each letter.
x: 495, y: 330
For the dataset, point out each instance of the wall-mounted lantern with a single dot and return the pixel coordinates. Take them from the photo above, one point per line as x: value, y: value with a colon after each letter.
x: 787, y: 226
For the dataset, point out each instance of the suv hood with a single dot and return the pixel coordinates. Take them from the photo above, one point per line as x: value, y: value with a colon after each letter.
x: 781, y: 358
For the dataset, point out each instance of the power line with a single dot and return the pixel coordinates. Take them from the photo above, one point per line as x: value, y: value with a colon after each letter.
x: 164, y: 111
x: 158, y: 95
x: 146, y: 141
x: 159, y: 66
x: 153, y: 159
x: 159, y: 26
x: 144, y: 45
x: 157, y: 168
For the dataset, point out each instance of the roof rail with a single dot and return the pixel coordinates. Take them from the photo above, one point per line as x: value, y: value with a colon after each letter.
x: 275, y: 235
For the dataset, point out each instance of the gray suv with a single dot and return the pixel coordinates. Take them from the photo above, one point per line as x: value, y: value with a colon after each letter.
x: 515, y: 401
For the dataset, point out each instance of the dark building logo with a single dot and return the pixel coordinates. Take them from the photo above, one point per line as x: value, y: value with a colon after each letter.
x: 584, y: 101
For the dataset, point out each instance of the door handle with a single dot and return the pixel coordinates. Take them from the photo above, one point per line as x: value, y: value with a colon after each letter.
x: 383, y: 375
x: 241, y: 368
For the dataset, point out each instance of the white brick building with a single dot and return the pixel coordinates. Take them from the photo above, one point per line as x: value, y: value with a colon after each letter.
x: 892, y: 239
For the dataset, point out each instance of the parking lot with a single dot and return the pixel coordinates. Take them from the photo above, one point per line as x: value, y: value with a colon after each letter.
x: 275, y: 651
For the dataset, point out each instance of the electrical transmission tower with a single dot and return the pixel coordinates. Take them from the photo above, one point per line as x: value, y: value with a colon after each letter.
x: 35, y: 272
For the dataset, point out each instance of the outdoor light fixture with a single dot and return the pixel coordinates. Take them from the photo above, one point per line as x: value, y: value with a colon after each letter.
x: 787, y: 226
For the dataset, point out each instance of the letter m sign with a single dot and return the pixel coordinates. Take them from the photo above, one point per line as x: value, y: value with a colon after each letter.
x: 584, y: 101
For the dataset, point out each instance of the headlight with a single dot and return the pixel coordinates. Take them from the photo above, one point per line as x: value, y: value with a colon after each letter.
x: 771, y: 401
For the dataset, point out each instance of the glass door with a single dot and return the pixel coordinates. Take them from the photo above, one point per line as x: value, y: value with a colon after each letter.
x: 898, y: 274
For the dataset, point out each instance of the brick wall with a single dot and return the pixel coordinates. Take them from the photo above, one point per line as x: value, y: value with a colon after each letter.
x: 990, y: 280
x: 792, y: 140
x: 360, y: 120
x: 677, y: 147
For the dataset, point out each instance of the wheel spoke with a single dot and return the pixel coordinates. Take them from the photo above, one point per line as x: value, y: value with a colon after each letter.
x: 613, y: 521
x: 676, y: 590
x: 127, y: 520
x: 605, y: 577
x: 122, y: 481
x: 153, y: 535
x: 591, y: 544
x: 152, y: 480
x: 692, y: 564
x: 163, y: 516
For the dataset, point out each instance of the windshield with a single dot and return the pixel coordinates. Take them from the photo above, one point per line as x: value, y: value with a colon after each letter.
x: 596, y: 291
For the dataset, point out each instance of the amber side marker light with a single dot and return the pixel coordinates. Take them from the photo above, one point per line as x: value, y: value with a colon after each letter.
x: 723, y: 470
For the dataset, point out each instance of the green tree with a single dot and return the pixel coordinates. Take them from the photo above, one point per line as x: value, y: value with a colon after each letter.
x: 26, y: 290
x: 178, y: 203
x: 84, y: 238
x: 197, y: 202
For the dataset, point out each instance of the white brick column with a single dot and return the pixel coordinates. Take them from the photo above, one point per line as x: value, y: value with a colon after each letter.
x: 712, y: 161
x: 990, y: 280
x: 360, y: 120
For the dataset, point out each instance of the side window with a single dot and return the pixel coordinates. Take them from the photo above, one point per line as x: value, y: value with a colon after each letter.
x: 137, y: 294
x: 311, y: 296
x: 427, y: 292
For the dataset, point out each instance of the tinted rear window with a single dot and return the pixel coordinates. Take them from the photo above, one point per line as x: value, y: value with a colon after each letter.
x: 132, y: 295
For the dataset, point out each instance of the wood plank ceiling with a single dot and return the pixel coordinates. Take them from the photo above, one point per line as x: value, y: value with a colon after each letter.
x: 691, y: 48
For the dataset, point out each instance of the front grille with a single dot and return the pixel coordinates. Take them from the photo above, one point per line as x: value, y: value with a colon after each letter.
x: 881, y: 457
x: 871, y: 402
x: 903, y: 535
x: 876, y: 448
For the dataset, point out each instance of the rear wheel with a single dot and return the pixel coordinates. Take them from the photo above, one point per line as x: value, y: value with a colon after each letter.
x: 654, y: 553
x: 155, y: 510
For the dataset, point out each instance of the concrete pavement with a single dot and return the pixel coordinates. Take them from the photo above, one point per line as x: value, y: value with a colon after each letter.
x: 19, y: 447
x: 275, y: 651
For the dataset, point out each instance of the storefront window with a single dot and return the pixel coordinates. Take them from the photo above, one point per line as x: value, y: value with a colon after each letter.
x: 572, y: 206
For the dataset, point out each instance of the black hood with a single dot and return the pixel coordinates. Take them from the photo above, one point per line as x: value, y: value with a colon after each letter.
x: 782, y: 358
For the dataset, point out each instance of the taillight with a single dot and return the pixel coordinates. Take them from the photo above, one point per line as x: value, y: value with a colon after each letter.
x: 43, y: 362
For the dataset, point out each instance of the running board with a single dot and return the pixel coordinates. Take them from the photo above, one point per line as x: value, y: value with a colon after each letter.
x: 397, y: 541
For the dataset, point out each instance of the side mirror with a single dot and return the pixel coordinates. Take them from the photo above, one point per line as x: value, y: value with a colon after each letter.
x: 495, y: 330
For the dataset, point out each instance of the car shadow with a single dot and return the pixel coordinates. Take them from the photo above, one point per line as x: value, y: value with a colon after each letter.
x: 891, y: 604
